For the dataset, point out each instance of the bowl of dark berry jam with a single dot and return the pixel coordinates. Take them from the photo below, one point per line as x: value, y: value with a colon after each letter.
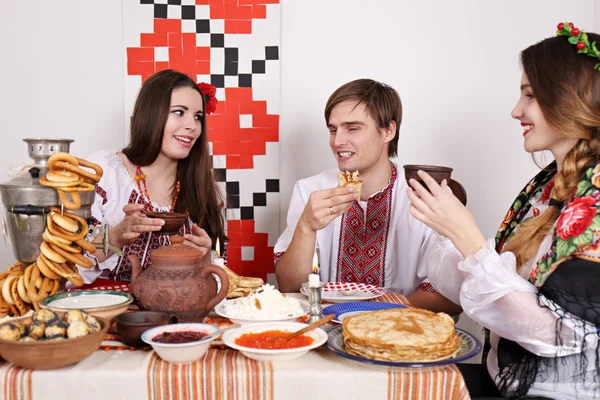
x: 181, y: 343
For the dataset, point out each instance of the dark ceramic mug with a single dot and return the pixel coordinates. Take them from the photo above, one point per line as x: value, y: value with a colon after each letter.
x: 438, y: 173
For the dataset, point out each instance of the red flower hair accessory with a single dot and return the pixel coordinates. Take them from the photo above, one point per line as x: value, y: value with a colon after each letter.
x: 580, y: 40
x: 209, y: 93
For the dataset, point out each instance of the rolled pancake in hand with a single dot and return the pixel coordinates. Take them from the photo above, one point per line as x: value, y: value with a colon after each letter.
x: 349, y: 179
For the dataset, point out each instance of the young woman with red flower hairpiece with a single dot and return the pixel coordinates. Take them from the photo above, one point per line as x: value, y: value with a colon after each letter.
x: 536, y: 287
x: 165, y: 167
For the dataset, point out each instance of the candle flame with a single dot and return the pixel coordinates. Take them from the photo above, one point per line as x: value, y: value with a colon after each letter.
x: 217, y: 248
x: 315, y: 267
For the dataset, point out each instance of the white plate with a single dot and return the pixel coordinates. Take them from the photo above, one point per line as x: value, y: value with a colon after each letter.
x: 87, y: 299
x: 220, y: 310
x: 339, y: 292
x: 229, y: 337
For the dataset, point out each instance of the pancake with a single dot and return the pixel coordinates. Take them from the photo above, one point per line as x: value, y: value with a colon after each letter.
x: 350, y: 179
x: 400, y: 335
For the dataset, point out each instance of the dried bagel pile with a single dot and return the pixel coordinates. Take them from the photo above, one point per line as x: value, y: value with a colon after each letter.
x: 241, y: 286
x: 64, y: 240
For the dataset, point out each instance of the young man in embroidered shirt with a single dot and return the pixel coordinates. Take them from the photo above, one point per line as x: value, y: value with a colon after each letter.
x: 372, y: 239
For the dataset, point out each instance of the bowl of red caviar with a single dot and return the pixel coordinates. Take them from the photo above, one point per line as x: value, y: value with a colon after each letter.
x: 267, y: 341
x: 181, y: 343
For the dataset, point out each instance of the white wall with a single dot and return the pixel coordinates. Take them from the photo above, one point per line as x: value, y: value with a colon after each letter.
x: 455, y: 64
x: 61, y: 75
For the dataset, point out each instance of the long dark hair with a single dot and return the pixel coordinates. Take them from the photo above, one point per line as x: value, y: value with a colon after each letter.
x: 567, y: 89
x: 199, y: 194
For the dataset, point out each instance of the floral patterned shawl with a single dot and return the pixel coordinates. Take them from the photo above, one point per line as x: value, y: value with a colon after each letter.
x: 573, y: 290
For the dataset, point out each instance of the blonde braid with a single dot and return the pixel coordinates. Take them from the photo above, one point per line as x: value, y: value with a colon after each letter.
x: 527, y: 240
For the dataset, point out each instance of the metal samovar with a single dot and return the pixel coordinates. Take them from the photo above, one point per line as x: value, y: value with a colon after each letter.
x: 26, y: 201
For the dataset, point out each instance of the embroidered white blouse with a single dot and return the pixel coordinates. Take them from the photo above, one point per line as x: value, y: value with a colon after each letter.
x: 116, y: 189
x: 494, y: 295
x: 406, y: 247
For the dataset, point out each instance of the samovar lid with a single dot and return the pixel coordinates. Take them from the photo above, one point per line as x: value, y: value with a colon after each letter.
x: 25, y: 187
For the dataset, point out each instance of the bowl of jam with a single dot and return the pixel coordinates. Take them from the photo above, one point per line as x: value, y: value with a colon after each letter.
x: 181, y: 343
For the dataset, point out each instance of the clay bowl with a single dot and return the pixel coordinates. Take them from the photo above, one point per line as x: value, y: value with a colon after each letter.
x: 437, y: 172
x: 52, y: 354
x: 173, y: 221
x: 131, y: 325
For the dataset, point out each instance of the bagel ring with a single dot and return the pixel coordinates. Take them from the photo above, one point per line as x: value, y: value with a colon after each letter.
x: 75, y: 258
x: 98, y: 172
x: 81, y: 220
x: 63, y: 165
x: 70, y: 204
x: 64, y: 157
x: 42, y: 264
x: 55, y: 239
x: 61, y: 233
x: 18, y: 301
x: 68, y: 224
x: 6, y: 286
x: 44, y: 181
x: 32, y: 290
x: 62, y: 176
x: 74, y: 277
x: 50, y: 238
x: 22, y: 290
x: 85, y: 245
x: 81, y: 187
x: 51, y: 254
x: 67, y: 270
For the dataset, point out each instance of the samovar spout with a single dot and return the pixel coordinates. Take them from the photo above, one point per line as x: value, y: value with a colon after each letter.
x: 105, y: 245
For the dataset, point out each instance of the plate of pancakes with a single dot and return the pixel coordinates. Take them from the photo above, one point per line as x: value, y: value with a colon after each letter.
x: 339, y: 292
x: 402, y: 337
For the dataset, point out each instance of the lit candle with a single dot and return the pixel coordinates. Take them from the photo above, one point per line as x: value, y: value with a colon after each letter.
x: 313, y: 279
x: 219, y: 261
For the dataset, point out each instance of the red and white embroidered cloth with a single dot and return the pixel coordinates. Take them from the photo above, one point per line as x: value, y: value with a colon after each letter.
x: 395, y: 259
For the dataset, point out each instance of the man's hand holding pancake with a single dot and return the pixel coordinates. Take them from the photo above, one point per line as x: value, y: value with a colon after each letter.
x: 324, y: 206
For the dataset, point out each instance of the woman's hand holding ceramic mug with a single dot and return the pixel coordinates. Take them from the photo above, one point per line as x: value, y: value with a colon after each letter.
x: 133, y: 225
x: 443, y: 212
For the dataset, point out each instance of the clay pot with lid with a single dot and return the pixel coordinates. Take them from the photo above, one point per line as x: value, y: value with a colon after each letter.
x: 178, y: 283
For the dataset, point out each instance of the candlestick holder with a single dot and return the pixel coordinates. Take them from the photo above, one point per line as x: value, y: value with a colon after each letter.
x: 314, y: 298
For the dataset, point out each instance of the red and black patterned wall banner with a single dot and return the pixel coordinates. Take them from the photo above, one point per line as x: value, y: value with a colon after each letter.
x: 234, y: 45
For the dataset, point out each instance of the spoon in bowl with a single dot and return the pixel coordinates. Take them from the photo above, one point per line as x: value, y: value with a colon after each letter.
x: 310, y: 327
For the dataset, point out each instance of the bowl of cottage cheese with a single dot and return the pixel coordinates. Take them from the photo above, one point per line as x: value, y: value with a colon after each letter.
x: 266, y: 304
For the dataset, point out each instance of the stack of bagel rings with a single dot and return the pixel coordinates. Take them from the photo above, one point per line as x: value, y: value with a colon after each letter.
x: 67, y: 175
x: 22, y: 288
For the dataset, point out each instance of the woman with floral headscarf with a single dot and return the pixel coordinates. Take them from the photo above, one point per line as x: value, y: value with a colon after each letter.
x: 536, y: 287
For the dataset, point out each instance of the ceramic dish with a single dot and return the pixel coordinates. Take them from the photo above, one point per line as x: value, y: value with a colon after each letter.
x: 132, y: 325
x: 99, y: 303
x: 348, y: 309
x: 182, y: 352
x: 220, y: 310
x: 469, y: 347
x: 230, y: 335
x: 52, y: 354
x: 338, y: 292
